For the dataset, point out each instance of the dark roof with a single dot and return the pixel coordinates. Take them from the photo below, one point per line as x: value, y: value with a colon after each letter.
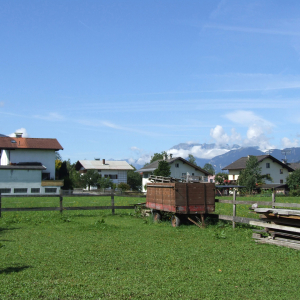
x: 29, y: 143
x: 295, y: 166
x: 241, y: 163
x: 151, y: 167
x: 33, y: 166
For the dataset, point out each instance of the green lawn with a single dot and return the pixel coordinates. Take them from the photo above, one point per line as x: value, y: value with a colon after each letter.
x: 94, y: 255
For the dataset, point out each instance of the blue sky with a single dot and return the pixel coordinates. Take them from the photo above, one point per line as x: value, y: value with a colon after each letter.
x: 125, y: 79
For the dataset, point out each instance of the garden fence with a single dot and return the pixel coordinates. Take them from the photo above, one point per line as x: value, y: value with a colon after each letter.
x: 234, y: 203
x: 61, y: 208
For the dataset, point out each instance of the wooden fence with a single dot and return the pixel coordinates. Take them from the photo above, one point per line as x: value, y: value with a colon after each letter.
x: 234, y: 203
x: 61, y: 208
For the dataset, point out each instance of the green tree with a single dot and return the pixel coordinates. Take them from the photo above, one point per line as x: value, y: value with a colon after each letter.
x: 163, y: 169
x: 221, y: 177
x: 293, y: 180
x: 134, y: 179
x: 90, y: 178
x: 124, y: 186
x: 104, y: 183
x: 251, y: 176
x: 192, y: 159
x: 158, y: 156
x: 209, y: 168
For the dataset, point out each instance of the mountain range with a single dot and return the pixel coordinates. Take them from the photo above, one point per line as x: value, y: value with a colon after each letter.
x: 229, y: 154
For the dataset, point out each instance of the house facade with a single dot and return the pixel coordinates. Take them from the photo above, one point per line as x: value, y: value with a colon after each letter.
x: 115, y: 170
x: 277, y: 169
x: 179, y: 168
x: 27, y: 165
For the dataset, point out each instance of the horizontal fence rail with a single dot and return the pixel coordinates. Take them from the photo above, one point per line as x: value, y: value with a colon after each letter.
x: 61, y: 208
x: 234, y: 203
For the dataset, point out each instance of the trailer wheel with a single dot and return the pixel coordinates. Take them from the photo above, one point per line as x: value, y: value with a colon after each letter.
x: 175, y: 221
x: 156, y: 216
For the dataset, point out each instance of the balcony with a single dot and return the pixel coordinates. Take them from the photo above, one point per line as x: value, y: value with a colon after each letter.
x: 52, y: 182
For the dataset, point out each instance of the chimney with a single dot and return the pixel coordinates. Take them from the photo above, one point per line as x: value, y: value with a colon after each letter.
x: 19, y: 134
x: 103, y: 161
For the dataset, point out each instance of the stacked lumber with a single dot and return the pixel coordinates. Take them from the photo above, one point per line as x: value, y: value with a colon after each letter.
x: 281, y: 225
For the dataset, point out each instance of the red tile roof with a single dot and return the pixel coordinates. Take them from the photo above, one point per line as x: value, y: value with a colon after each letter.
x: 29, y: 143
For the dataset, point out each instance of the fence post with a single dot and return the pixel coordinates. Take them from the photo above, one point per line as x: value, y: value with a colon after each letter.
x: 234, y: 209
x: 0, y: 205
x: 273, y: 199
x: 112, y: 202
x: 61, y: 203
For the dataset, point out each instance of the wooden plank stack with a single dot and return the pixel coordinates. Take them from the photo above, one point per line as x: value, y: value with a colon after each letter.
x: 281, y: 225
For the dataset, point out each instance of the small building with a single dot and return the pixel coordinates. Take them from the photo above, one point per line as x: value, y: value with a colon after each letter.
x: 270, y: 165
x: 179, y: 168
x: 113, y: 169
x: 27, y: 165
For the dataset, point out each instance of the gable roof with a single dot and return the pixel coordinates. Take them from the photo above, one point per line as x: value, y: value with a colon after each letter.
x: 153, y: 166
x: 98, y: 165
x: 7, y: 142
x: 241, y: 163
x: 295, y: 166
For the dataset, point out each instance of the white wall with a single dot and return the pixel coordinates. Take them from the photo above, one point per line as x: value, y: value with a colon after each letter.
x: 274, y: 171
x: 122, y: 176
x: 46, y: 157
x: 23, y: 179
x: 4, y: 158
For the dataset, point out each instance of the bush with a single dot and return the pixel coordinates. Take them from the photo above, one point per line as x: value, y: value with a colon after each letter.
x: 294, y: 193
x: 124, y: 186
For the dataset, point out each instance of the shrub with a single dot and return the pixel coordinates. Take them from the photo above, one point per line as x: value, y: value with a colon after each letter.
x: 124, y: 186
x: 295, y: 193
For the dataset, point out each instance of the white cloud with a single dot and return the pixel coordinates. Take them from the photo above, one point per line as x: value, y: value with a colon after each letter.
x: 145, y: 158
x: 248, y: 118
x: 50, y: 117
x: 258, y: 127
x: 198, y: 152
x: 287, y: 143
x: 221, y: 137
x: 20, y: 130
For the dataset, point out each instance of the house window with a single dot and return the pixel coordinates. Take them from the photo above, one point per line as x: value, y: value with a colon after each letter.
x: 50, y: 190
x: 176, y: 165
x: 281, y: 171
x: 281, y: 180
x: 23, y: 191
x: 183, y: 174
x: 45, y: 176
x: 5, y: 191
x: 193, y: 174
x: 211, y: 180
x: 111, y: 176
x: 35, y: 190
x: 268, y: 165
x: 146, y: 175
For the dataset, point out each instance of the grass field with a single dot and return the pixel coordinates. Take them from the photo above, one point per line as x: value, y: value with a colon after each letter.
x: 94, y: 255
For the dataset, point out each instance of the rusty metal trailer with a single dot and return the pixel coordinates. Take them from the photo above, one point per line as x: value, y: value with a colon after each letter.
x: 180, y: 198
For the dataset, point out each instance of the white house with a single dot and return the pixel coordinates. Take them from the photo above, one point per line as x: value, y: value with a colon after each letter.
x: 269, y: 165
x: 115, y: 170
x: 179, y: 168
x: 27, y: 165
